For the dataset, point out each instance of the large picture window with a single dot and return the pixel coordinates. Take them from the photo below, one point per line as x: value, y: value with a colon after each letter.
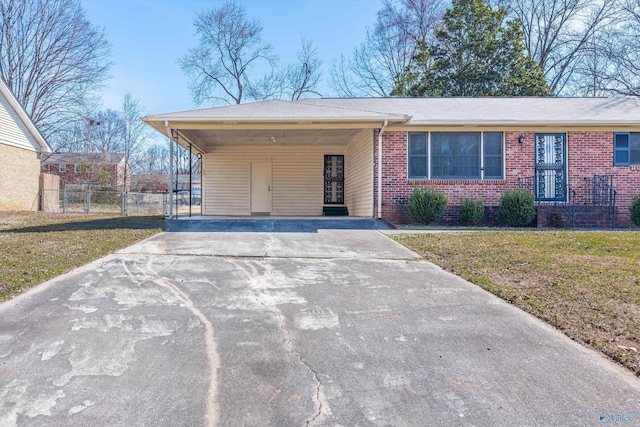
x: 456, y: 155
x: 626, y: 149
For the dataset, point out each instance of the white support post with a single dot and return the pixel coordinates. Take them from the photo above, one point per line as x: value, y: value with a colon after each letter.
x: 384, y: 125
x: 170, y: 135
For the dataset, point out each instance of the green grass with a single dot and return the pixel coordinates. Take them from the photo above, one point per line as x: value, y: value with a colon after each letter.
x: 586, y: 283
x: 35, y: 247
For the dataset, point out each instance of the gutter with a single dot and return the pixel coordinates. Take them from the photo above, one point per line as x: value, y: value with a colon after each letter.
x: 384, y: 126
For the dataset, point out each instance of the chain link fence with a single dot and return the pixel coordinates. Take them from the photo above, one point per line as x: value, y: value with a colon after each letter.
x: 118, y: 203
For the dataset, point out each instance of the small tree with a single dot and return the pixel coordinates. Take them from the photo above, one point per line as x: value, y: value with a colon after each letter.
x: 634, y: 210
x: 517, y: 208
x: 471, y: 211
x: 426, y: 205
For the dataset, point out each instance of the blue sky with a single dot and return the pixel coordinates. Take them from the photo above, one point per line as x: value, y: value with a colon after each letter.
x: 148, y: 36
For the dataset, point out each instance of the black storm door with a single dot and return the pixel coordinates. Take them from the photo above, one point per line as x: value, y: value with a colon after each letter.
x: 550, y: 182
x: 333, y: 179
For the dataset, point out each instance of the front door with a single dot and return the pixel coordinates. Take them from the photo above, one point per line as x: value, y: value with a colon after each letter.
x: 261, y: 188
x: 550, y: 181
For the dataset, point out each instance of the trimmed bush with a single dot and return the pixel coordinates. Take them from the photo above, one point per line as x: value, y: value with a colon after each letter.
x: 634, y: 210
x: 426, y: 205
x: 517, y: 208
x: 471, y: 211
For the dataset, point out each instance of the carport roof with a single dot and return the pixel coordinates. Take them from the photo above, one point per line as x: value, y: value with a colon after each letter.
x: 278, y: 110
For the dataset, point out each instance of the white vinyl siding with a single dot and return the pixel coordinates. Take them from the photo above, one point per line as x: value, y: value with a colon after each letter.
x: 14, y: 132
x: 227, y: 182
x: 359, y: 175
x: 297, y: 178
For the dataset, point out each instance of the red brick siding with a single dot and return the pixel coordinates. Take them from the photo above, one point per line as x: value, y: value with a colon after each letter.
x: 589, y: 153
x: 71, y: 177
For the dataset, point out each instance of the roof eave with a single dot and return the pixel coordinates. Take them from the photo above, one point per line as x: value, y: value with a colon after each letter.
x: 44, y: 146
x: 275, y: 120
x: 546, y: 123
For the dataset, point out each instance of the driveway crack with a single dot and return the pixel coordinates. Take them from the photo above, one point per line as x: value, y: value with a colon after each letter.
x: 258, y: 284
x: 316, y: 377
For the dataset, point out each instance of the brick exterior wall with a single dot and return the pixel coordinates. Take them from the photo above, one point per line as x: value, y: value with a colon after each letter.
x: 108, y: 175
x: 588, y: 154
x: 19, y: 179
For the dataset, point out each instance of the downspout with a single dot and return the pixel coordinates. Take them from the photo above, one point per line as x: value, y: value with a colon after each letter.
x: 166, y: 125
x: 384, y: 125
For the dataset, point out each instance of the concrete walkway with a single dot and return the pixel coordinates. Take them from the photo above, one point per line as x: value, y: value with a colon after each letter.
x: 289, y: 325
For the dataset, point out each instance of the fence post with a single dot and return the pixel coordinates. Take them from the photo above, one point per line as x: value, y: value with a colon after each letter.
x: 87, y: 202
x: 64, y: 200
x: 123, y: 204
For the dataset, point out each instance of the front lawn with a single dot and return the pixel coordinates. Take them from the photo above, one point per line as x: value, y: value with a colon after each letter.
x: 35, y: 247
x: 586, y: 283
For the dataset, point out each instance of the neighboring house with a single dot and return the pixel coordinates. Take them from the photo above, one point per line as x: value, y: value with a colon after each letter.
x: 184, y: 182
x: 305, y: 157
x: 150, y: 182
x: 106, y: 171
x: 21, y: 146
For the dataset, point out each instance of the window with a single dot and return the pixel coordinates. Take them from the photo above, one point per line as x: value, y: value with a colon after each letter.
x: 493, y: 155
x: 62, y: 167
x: 418, y: 156
x: 626, y: 149
x: 456, y: 155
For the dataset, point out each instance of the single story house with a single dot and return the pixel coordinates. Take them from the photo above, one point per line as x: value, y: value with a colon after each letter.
x: 150, y: 182
x: 363, y: 156
x: 109, y: 171
x: 21, y: 146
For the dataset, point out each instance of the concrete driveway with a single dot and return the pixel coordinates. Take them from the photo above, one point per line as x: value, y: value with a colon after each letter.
x: 285, y: 323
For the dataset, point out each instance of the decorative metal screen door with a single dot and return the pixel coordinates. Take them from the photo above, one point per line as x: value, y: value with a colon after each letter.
x: 333, y: 179
x: 550, y: 182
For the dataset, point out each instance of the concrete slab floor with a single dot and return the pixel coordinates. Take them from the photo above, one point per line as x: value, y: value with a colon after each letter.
x: 334, y: 327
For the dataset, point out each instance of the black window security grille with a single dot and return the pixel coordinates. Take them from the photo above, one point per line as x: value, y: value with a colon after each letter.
x: 550, y: 181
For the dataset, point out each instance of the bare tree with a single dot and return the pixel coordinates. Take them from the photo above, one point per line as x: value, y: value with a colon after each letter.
x: 560, y: 36
x: 401, y: 26
x: 135, y: 131
x: 52, y: 58
x: 229, y: 47
x: 302, y: 78
x: 614, y: 65
x: 105, y: 132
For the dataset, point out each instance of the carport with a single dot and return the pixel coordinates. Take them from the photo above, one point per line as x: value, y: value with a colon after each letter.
x: 280, y: 158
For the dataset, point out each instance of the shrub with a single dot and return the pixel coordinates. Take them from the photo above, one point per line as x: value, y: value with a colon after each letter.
x: 517, y: 208
x: 471, y: 211
x: 426, y: 205
x: 634, y: 210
